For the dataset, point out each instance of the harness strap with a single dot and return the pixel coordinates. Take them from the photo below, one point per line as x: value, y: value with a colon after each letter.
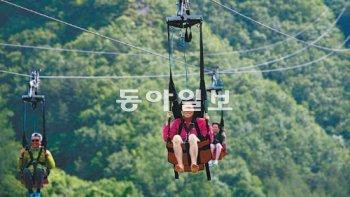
x: 200, y: 136
x: 207, y: 171
x: 188, y: 129
x: 35, y: 162
x: 31, y: 162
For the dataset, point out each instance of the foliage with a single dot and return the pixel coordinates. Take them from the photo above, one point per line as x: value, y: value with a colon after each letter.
x: 288, y: 132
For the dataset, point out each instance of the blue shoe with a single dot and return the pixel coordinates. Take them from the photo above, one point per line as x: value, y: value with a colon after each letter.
x: 37, y: 194
x: 32, y: 195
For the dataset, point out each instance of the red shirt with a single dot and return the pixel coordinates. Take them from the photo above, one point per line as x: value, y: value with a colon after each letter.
x: 175, y: 127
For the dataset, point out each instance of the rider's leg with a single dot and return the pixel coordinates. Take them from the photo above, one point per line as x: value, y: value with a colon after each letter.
x: 177, y: 141
x: 212, y: 148
x: 39, y: 177
x: 218, y: 152
x: 193, y: 139
x: 28, y: 179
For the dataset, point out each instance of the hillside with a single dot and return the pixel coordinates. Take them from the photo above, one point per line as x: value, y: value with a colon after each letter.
x: 288, y: 131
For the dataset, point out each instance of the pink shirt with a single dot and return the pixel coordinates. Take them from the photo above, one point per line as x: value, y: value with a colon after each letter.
x: 175, y: 127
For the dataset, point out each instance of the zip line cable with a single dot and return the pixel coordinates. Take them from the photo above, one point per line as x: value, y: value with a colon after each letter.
x: 295, y: 52
x: 131, y: 54
x: 151, y: 53
x: 99, y: 77
x: 316, y: 20
x: 14, y: 73
x: 276, y: 30
x: 84, y: 51
x: 145, y: 54
x: 234, y: 71
x: 74, y: 50
x: 85, y: 30
x: 290, y: 67
x: 190, y: 74
x: 94, y: 33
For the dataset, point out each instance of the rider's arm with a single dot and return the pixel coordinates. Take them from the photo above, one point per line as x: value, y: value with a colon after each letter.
x: 224, y: 135
x: 173, y: 129
x: 211, y: 134
x: 50, y: 161
x: 20, y: 163
x: 203, y: 128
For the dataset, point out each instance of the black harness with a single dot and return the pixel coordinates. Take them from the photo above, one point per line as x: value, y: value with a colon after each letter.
x: 194, y: 124
x: 35, y: 162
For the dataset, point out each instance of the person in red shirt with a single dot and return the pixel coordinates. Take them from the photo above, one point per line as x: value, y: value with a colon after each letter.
x: 178, y: 137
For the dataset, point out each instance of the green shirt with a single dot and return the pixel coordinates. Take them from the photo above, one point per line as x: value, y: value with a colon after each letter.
x: 22, y: 163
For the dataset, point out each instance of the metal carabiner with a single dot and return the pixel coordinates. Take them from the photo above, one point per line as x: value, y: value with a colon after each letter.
x: 188, y: 37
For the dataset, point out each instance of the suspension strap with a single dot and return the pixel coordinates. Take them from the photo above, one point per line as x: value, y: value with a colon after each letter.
x: 204, y: 104
x: 34, y: 121
x: 202, y: 81
x: 172, y: 91
x: 44, y: 142
x: 222, y: 123
x: 185, y: 63
x: 183, y: 41
x: 24, y: 138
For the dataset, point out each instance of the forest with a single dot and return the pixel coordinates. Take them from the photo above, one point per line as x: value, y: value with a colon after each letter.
x: 288, y: 133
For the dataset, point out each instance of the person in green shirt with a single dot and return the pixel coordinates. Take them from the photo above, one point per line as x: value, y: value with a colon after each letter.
x: 26, y: 165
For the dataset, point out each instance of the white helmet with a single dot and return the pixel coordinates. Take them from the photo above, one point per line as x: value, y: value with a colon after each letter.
x: 37, y: 135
